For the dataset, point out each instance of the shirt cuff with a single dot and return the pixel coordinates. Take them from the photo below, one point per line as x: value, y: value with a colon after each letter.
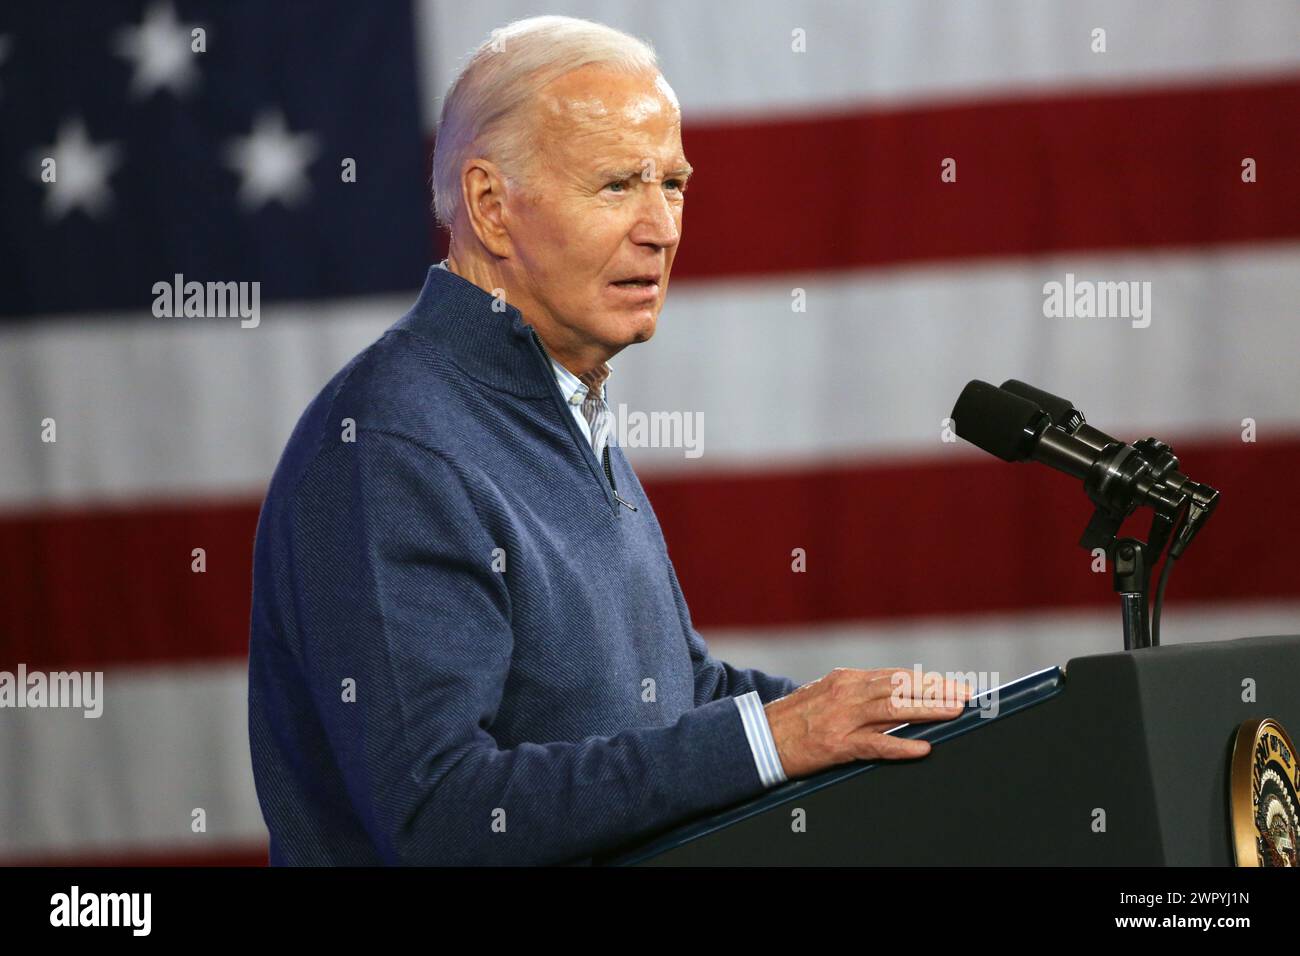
x: 759, y: 734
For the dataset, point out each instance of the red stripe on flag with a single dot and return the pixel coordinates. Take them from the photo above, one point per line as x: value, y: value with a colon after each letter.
x: 115, y: 585
x: 1053, y: 173
x: 972, y: 536
x: 925, y: 537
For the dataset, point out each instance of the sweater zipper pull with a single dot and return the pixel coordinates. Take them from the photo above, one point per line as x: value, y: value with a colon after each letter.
x: 609, y: 473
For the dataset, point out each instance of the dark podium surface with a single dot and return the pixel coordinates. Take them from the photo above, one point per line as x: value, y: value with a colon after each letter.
x: 1143, y: 737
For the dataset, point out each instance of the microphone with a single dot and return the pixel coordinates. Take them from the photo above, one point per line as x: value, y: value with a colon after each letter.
x: 1014, y: 428
x: 1202, y: 498
x: 1019, y: 422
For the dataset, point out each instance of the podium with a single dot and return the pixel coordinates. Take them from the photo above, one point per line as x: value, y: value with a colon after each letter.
x: 1112, y: 760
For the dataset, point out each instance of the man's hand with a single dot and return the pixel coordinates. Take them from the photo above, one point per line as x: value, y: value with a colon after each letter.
x: 844, y: 716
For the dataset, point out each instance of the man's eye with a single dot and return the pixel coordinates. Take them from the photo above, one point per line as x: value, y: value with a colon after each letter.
x: 621, y: 185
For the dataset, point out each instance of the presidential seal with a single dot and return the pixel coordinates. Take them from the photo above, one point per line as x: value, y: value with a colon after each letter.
x: 1264, y: 780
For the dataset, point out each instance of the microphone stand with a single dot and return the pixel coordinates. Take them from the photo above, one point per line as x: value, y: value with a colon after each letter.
x: 1133, y: 559
x: 1132, y: 581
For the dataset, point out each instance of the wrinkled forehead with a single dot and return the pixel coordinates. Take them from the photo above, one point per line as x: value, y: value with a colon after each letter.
x: 594, y: 98
x: 594, y: 124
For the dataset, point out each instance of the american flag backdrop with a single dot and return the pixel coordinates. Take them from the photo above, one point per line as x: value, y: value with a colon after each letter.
x: 833, y: 292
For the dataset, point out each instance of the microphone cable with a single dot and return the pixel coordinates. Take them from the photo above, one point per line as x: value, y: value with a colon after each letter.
x: 1165, y: 571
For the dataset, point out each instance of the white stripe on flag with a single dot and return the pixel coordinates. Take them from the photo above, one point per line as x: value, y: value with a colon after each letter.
x: 733, y: 59
x: 195, y: 407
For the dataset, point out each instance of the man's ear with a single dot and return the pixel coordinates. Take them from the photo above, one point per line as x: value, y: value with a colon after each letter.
x: 483, y: 194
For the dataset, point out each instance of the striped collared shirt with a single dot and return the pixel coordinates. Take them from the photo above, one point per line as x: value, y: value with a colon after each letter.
x: 575, y: 391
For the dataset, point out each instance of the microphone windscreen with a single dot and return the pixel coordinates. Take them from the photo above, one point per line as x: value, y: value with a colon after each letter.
x: 1002, y: 424
x: 1064, y: 414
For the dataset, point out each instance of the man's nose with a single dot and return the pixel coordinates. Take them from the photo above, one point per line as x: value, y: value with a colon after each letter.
x: 657, y: 224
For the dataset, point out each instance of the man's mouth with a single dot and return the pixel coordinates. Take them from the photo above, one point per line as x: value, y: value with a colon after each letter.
x: 641, y: 291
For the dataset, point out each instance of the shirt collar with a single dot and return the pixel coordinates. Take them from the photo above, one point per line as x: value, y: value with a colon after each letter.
x: 573, y: 388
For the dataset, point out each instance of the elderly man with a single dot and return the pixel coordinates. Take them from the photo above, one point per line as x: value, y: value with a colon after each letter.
x: 468, y: 641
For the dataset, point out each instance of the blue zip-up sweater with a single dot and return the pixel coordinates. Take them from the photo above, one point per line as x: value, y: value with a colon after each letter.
x: 465, y: 649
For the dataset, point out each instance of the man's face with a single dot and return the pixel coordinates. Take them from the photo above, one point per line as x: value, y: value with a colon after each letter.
x: 604, y: 205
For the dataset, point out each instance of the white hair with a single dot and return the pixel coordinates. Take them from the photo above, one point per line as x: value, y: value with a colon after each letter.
x: 485, y: 113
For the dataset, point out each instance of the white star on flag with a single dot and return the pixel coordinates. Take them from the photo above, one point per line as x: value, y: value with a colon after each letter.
x: 271, y: 162
x: 159, y: 49
x: 81, y: 171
